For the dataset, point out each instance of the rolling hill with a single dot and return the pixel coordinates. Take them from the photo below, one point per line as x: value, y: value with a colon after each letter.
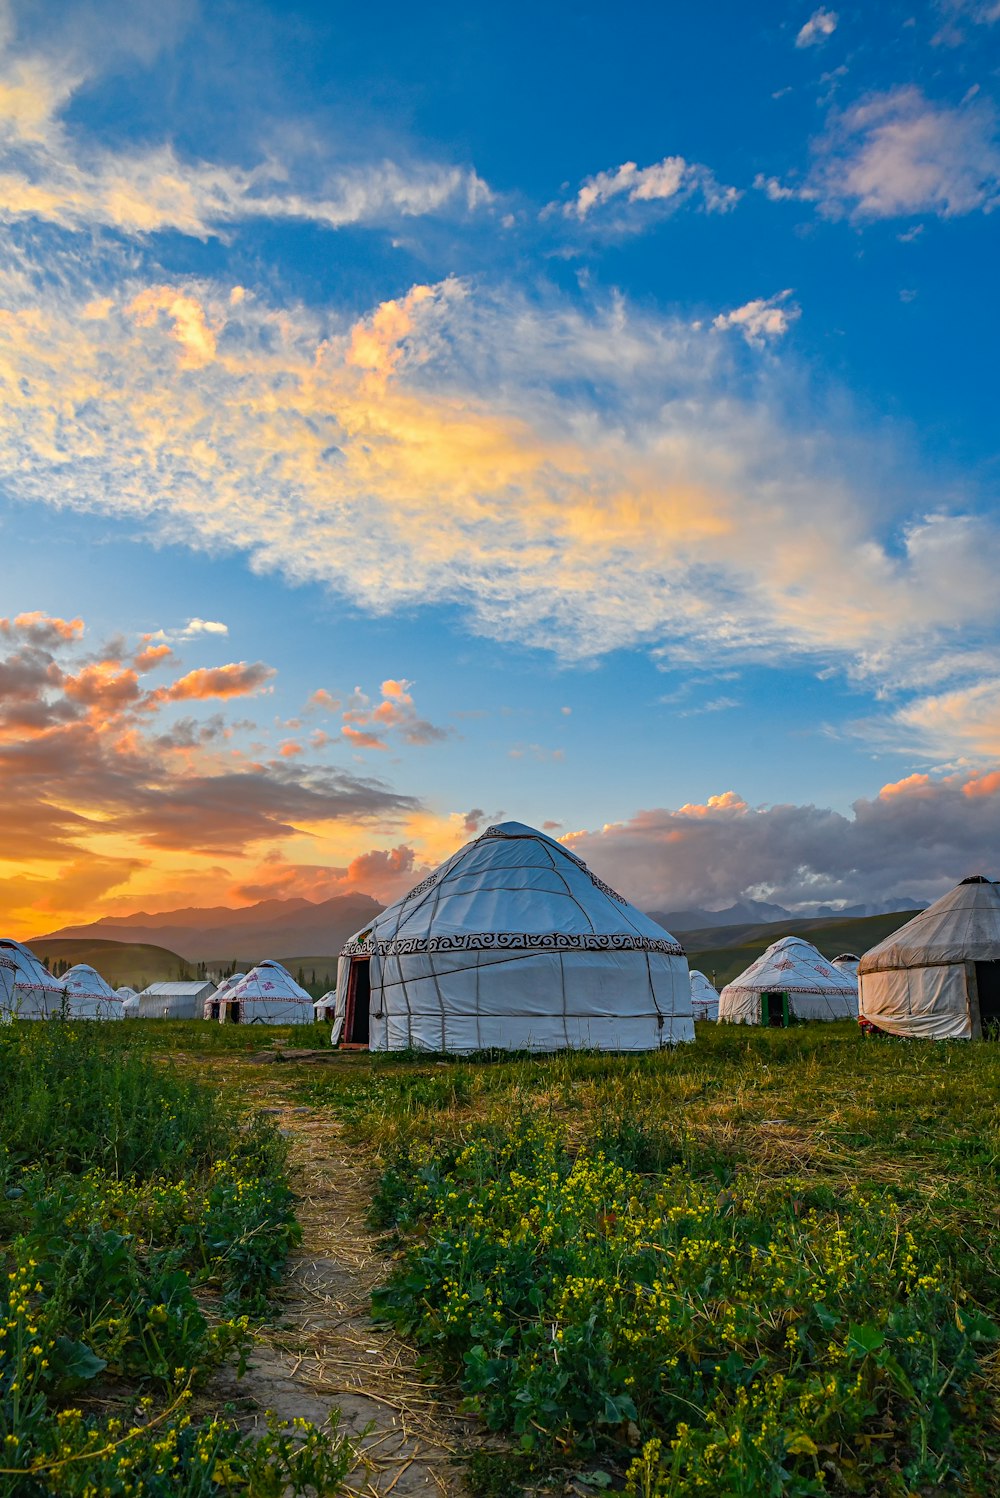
x: 726, y: 950
x: 118, y: 962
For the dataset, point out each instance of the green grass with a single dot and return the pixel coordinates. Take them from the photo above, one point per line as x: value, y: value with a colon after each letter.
x: 144, y: 1224
x: 763, y: 1264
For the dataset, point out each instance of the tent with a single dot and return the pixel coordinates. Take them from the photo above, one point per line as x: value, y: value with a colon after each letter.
x: 325, y: 1008
x: 174, y: 1000
x: 791, y: 980
x: 939, y: 975
x: 847, y: 963
x: 213, y: 1002
x: 130, y: 1002
x: 268, y: 995
x: 704, y: 997
x: 88, y: 996
x: 37, y: 995
x: 513, y: 944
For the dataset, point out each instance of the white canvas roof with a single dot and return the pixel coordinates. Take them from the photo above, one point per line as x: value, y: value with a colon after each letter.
x: 514, y: 943
x: 815, y: 988
x: 88, y: 996
x: 963, y: 926
x: 127, y: 993
x: 37, y: 994
x: 847, y: 962
x: 82, y: 979
x: 268, y: 995
x: 704, y: 996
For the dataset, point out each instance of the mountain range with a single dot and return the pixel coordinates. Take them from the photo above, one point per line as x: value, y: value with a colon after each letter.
x: 320, y: 928
x: 219, y: 934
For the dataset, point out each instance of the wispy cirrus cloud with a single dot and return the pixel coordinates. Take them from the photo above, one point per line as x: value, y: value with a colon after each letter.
x: 820, y: 25
x: 60, y: 176
x: 897, y: 154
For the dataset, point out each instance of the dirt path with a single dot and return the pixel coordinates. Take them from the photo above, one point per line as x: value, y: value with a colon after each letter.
x: 326, y: 1352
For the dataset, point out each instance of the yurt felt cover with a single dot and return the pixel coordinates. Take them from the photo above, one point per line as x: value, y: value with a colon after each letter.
x: 37, y: 994
x: 8, y: 982
x: 88, y: 996
x: 815, y: 989
x: 916, y: 981
x: 704, y: 997
x: 847, y: 963
x: 514, y: 944
x: 219, y: 996
x: 269, y: 995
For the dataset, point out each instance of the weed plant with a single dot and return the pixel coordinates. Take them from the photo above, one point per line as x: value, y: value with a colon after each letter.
x: 144, y: 1226
x: 762, y: 1265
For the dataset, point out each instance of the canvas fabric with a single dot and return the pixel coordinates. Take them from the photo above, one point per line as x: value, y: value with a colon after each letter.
x: 513, y: 944
x: 37, y: 995
x: 88, y: 996
x: 268, y: 995
x: 704, y: 997
x: 931, y: 1003
x: 815, y: 989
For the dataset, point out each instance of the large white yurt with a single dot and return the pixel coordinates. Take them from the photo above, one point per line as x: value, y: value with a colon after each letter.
x: 325, y: 1009
x: 268, y: 995
x: 513, y: 944
x: 791, y: 980
x: 939, y: 975
x: 88, y: 996
x: 704, y: 997
x: 214, y: 1001
x: 37, y: 995
x: 174, y: 1000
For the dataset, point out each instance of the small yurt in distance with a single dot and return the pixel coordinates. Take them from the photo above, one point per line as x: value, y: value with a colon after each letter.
x: 704, y: 997
x: 325, y: 1008
x: 214, y: 1001
x: 129, y: 1001
x: 513, y: 944
x: 938, y: 977
x: 791, y: 980
x: 174, y: 1000
x: 268, y: 995
x: 88, y: 996
x: 37, y: 995
x: 847, y: 962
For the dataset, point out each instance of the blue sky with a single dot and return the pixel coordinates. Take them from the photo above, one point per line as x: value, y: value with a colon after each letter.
x: 607, y: 396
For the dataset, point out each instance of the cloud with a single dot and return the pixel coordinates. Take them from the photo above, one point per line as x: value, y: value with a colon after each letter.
x: 670, y: 181
x: 91, y: 773
x: 900, y: 153
x: 239, y: 679
x: 736, y: 513
x: 820, y: 25
x: 913, y: 841
x: 50, y: 172
x: 365, y: 725
x: 761, y: 319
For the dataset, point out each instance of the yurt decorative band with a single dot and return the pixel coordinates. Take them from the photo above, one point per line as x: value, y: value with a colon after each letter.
x: 513, y: 941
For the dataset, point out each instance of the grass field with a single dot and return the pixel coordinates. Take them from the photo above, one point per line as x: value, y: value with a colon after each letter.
x: 765, y: 1264
x: 144, y: 1222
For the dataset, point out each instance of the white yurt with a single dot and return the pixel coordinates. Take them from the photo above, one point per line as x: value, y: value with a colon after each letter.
x: 88, y: 996
x: 268, y: 995
x: 791, y: 980
x: 214, y: 1001
x: 938, y: 976
x: 704, y: 997
x: 37, y: 995
x: 130, y: 1002
x: 174, y: 1000
x: 325, y: 1009
x: 513, y: 944
x: 847, y: 962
